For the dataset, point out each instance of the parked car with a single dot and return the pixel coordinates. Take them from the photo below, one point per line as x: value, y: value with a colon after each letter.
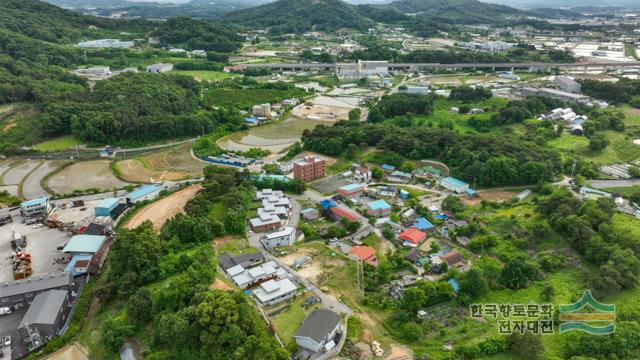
x: 7, y: 341
x: 5, y: 310
x: 310, y: 301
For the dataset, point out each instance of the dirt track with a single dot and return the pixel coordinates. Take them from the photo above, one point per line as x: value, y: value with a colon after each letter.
x: 162, y: 210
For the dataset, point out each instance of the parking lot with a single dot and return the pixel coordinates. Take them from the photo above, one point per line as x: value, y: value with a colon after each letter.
x: 9, y: 326
x: 42, y: 244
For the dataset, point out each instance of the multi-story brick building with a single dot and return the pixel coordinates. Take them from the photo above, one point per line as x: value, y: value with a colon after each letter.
x: 309, y: 168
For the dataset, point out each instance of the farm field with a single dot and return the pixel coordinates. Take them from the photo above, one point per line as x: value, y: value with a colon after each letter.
x: 164, y: 209
x: 274, y: 137
x: 85, y: 175
x: 203, y: 75
x: 171, y: 164
x: 57, y: 144
x: 31, y: 187
x: 18, y: 170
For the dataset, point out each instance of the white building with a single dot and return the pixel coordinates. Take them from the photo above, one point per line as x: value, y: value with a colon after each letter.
x: 285, y: 168
x: 95, y: 71
x: 284, y: 237
x: 453, y: 184
x: 105, y: 43
x: 275, y: 291
x: 159, y: 68
x: 246, y: 278
x: 318, y: 331
x: 362, y: 69
x: 567, y: 83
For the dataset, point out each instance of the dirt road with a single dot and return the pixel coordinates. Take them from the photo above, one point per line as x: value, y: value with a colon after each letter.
x: 164, y: 209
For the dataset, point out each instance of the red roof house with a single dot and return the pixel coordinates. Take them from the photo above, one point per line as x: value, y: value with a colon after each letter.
x: 412, y: 236
x: 366, y: 254
x: 339, y: 213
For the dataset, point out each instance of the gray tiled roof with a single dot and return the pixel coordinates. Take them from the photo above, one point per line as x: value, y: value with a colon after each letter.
x: 45, y: 308
x: 318, y: 325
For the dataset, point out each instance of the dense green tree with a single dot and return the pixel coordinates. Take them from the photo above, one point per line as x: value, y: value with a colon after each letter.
x: 140, y: 306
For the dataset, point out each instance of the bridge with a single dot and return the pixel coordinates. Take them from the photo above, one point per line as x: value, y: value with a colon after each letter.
x: 530, y: 66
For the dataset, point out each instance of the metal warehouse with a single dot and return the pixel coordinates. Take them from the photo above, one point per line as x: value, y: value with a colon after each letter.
x: 106, y: 207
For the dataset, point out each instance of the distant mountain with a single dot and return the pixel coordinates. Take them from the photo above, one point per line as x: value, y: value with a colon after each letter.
x: 567, y: 3
x: 296, y: 16
x: 460, y: 11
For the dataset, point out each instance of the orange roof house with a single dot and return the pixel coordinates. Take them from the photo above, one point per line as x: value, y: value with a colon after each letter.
x: 412, y: 237
x: 366, y: 254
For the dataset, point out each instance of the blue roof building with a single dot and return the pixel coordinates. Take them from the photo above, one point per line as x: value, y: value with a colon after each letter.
x: 106, y: 206
x: 471, y: 193
x: 453, y: 184
x: 441, y: 216
x: 78, y: 265
x: 423, y: 224
x: 84, y: 244
x: 328, y: 204
x: 143, y: 193
x: 35, y: 207
x: 404, y: 194
x: 378, y: 208
x: 387, y: 167
x: 454, y: 284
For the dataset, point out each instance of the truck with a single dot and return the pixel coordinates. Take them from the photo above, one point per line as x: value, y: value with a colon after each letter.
x: 77, y: 203
x: 5, y: 220
x: 19, y: 240
x: 5, y: 310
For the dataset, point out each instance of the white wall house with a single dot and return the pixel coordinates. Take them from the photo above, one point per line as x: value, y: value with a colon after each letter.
x: 453, y: 184
x: 318, y: 331
x: 284, y: 237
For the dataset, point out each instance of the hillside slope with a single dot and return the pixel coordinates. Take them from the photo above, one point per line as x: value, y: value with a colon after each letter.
x: 298, y: 16
x: 458, y: 11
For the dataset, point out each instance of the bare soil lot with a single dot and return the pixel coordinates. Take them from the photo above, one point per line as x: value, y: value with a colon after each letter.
x: 164, y: 209
x: 490, y: 195
x: 83, y: 175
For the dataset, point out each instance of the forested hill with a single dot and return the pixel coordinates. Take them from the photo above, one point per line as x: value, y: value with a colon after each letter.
x: 296, y: 16
x: 42, y: 21
x: 38, y: 20
x: 458, y: 11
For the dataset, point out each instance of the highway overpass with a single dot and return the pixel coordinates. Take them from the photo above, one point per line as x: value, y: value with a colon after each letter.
x: 529, y: 66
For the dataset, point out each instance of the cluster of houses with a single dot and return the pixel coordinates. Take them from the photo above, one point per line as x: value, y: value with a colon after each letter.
x: 261, y: 113
x: 269, y: 283
x: 275, y: 210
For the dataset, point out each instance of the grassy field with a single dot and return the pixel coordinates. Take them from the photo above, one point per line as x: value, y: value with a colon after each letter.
x: 58, y: 144
x: 245, y: 98
x: 442, y: 107
x: 289, y: 320
x: 620, y: 148
x: 204, y: 75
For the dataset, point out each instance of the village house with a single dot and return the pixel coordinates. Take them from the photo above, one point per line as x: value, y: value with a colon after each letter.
x: 351, y: 191
x: 453, y: 184
x: 412, y: 237
x: 378, y: 208
x: 319, y: 331
x: 284, y: 237
x: 399, y: 177
x: 365, y: 254
x: 275, y: 291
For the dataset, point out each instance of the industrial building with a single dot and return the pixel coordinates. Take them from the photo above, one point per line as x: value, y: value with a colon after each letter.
x: 106, y: 207
x: 362, y: 69
x: 453, y: 184
x: 159, y: 68
x: 35, y: 207
x: 18, y: 294
x: 46, y: 316
x: 146, y: 192
x: 567, y: 83
x: 105, y: 43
